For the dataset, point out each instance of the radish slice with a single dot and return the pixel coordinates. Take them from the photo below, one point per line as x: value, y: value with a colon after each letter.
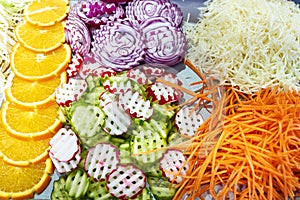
x: 117, y: 86
x: 134, y: 104
x: 126, y: 182
x: 187, y: 121
x: 162, y: 93
x: 173, y: 165
x: 145, y: 74
x: 64, y: 145
x: 75, y: 65
x: 71, y: 91
x: 101, y: 160
x: 117, y: 121
x: 64, y: 167
x: 106, y: 97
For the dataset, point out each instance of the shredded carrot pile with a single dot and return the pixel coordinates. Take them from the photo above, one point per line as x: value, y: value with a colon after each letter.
x: 250, y: 146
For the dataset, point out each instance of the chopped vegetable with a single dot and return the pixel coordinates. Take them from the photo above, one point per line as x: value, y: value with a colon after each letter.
x: 139, y: 10
x: 101, y: 160
x: 249, y: 44
x: 64, y: 145
x: 71, y: 91
x: 96, y: 13
x: 77, y: 35
x: 127, y: 181
x: 247, y: 140
x: 134, y: 104
x: 165, y: 42
x: 118, y: 45
x: 75, y: 65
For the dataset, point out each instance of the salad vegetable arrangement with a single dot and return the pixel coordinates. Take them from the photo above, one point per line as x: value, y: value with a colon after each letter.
x: 125, y: 127
x: 119, y: 121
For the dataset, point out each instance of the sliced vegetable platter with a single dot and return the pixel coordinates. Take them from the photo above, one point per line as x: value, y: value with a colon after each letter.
x: 121, y: 138
x: 138, y: 129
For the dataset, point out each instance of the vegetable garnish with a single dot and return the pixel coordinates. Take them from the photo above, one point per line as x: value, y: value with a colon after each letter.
x: 250, y: 44
x: 247, y: 148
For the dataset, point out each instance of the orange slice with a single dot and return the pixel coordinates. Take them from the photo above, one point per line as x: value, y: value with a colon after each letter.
x: 40, y: 38
x: 26, y: 123
x: 23, y: 182
x: 46, y: 12
x: 34, y: 93
x: 36, y: 66
x: 22, y: 153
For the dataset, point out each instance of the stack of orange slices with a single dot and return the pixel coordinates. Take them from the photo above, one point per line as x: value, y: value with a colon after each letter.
x: 29, y: 116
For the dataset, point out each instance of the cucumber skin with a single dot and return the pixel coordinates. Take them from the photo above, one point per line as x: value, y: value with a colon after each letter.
x: 160, y: 187
x: 77, y: 183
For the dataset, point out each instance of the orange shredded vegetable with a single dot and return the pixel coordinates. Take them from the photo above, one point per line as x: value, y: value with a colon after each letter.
x: 249, y: 145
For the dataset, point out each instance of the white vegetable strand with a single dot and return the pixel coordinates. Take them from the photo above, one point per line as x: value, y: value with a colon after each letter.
x: 252, y: 44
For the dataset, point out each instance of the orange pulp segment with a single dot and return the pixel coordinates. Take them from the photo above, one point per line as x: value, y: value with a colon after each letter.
x: 20, y: 152
x: 22, y: 182
x: 46, y: 12
x: 26, y: 123
x: 36, y: 66
x: 34, y: 93
x: 40, y: 38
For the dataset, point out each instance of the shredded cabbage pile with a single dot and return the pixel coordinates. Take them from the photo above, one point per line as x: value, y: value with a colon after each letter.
x: 251, y: 44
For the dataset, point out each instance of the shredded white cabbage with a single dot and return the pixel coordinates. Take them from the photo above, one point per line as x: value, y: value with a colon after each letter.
x: 251, y: 44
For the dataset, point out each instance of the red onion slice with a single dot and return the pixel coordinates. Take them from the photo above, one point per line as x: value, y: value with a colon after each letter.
x: 143, y: 9
x: 165, y: 43
x: 95, y: 13
x: 77, y: 35
x: 118, y: 45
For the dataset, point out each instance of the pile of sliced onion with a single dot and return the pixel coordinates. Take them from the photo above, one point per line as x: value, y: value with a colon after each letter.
x: 127, y: 33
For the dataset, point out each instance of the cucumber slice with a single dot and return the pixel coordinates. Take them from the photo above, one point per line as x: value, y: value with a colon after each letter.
x: 98, y: 191
x: 86, y: 119
x: 58, y: 191
x: 142, y: 143
x: 77, y: 183
x: 93, y: 96
x: 161, y: 188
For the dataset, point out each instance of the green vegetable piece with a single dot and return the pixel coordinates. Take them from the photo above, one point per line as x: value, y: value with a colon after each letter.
x: 100, y: 136
x: 58, y: 191
x: 77, y: 183
x: 145, y: 146
x: 161, y: 188
x: 98, y: 191
x: 86, y: 119
x: 93, y: 96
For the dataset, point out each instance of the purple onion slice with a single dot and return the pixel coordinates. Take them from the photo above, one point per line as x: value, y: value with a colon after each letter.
x: 118, y: 45
x: 77, y: 35
x: 116, y: 1
x: 95, y: 13
x: 165, y: 43
x: 140, y: 10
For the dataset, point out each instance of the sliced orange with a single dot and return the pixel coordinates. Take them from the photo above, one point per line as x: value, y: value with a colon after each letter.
x: 46, y: 12
x: 20, y: 152
x: 26, y: 123
x: 40, y: 38
x: 36, y: 66
x: 23, y: 182
x: 34, y: 94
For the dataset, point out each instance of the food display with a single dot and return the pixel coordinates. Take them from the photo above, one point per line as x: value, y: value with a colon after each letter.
x: 149, y: 100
